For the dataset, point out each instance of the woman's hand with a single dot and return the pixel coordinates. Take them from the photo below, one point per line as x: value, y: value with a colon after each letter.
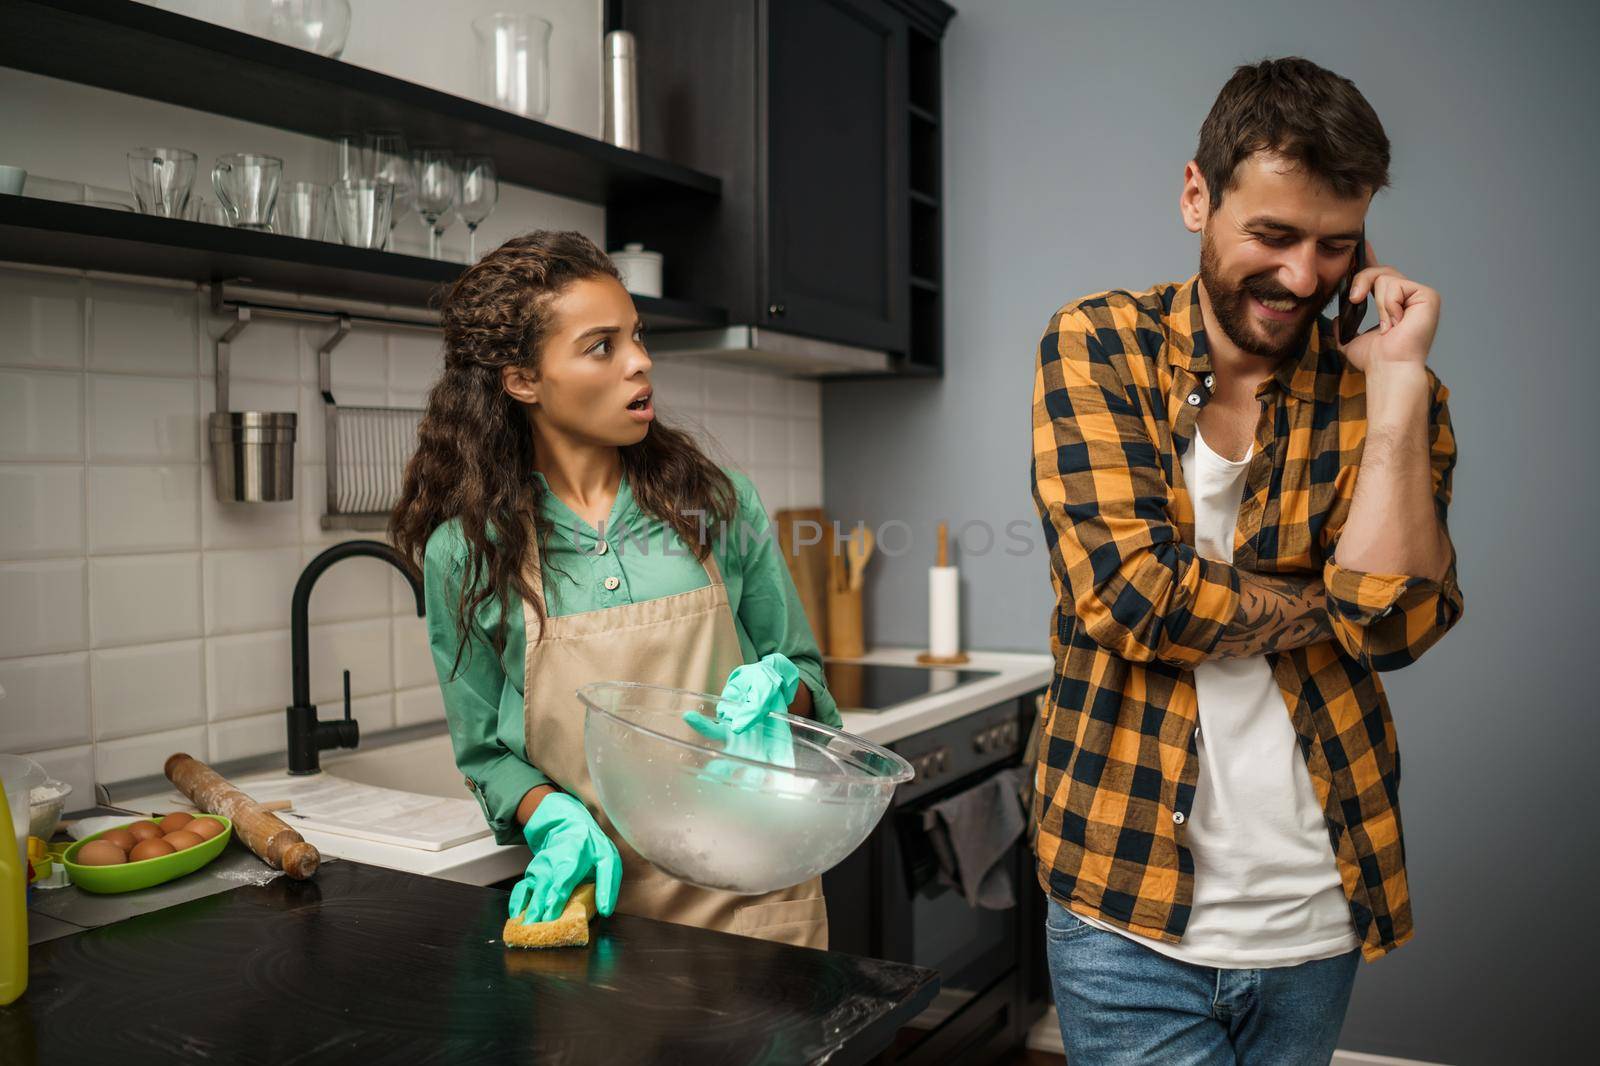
x: 568, y: 848
x: 756, y: 690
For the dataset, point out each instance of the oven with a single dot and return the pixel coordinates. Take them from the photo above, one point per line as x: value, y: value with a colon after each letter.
x: 884, y: 902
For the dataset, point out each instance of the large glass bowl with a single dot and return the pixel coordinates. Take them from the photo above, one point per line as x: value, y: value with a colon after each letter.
x: 698, y: 810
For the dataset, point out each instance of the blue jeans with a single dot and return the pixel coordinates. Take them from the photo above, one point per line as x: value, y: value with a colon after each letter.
x: 1121, y: 1003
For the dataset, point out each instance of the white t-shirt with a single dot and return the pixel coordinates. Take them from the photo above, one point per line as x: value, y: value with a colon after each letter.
x: 1266, y: 886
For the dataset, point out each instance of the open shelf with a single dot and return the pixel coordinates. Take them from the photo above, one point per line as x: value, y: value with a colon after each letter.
x: 133, y: 48
x: 52, y: 233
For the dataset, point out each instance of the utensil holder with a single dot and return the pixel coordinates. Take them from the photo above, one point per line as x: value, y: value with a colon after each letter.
x: 252, y: 455
x: 252, y: 452
x: 846, y: 634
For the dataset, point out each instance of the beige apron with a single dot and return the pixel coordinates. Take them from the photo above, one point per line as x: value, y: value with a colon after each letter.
x: 684, y: 641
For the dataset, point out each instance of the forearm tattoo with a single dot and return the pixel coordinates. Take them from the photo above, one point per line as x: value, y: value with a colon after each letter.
x: 1275, y: 614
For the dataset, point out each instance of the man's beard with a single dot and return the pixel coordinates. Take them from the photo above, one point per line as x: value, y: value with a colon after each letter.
x: 1230, y: 306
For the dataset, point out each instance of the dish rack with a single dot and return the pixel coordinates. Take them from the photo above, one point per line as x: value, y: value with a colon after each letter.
x: 367, y: 448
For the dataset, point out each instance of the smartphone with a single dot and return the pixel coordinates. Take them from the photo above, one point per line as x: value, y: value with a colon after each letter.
x: 1351, y: 314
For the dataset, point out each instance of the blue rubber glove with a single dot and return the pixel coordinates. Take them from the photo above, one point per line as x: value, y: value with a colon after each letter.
x: 770, y: 741
x: 745, y: 725
x: 755, y: 690
x: 568, y: 849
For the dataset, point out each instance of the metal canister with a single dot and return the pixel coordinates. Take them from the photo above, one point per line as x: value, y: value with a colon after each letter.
x: 621, y: 124
x: 252, y: 455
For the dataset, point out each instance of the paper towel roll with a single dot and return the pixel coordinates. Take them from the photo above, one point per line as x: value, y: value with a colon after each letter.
x: 944, y: 611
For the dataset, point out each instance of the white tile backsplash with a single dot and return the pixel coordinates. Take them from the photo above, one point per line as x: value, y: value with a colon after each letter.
x: 139, y: 599
x: 43, y: 315
x: 144, y: 508
x: 413, y: 659
x: 243, y: 737
x: 145, y: 755
x: 140, y: 329
x: 147, y: 688
x: 415, y: 360
x: 416, y: 705
x: 143, y: 419
x: 41, y: 510
x: 247, y: 674
x: 44, y: 607
x: 359, y: 647
x: 145, y: 617
x: 249, y: 591
x: 351, y: 589
x: 46, y: 703
x: 41, y: 414
x: 267, y: 350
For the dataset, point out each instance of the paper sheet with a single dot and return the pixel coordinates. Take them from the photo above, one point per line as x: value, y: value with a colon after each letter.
x: 330, y: 804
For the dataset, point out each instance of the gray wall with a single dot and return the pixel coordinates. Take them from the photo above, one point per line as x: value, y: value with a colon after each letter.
x: 1067, y: 127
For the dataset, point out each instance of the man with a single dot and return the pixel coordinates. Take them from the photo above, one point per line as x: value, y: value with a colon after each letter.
x: 1246, y: 522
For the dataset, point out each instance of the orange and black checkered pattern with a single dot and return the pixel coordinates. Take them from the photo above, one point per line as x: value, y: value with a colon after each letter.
x: 1119, y: 384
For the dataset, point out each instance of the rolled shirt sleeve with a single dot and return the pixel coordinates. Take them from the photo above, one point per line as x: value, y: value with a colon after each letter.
x: 769, y: 605
x: 1386, y: 621
x: 474, y: 693
x: 1136, y: 589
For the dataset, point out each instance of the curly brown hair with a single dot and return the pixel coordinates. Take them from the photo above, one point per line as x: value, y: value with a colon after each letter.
x: 1305, y: 113
x: 475, y: 451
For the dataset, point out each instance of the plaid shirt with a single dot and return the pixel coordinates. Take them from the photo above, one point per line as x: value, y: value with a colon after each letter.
x: 1118, y: 386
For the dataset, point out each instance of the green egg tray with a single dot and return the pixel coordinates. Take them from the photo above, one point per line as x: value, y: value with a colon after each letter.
x: 129, y: 876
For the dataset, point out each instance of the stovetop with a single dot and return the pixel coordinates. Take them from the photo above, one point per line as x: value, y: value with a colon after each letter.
x: 370, y: 965
x: 873, y: 688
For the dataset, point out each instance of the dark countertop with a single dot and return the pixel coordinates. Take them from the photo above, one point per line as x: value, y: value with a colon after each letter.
x: 373, y: 965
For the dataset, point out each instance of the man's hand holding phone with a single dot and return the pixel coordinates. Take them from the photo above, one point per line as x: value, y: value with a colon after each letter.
x: 1408, y: 317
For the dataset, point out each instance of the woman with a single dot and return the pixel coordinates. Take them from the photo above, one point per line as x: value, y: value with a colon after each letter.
x: 565, y: 535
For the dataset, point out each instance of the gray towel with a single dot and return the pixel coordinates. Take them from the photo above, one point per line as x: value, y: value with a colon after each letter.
x: 972, y: 832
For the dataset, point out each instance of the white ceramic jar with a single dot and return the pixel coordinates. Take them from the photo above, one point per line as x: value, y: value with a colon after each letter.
x: 641, y: 270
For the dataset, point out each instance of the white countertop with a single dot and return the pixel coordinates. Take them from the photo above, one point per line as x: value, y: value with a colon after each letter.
x: 483, y: 862
x: 1015, y: 674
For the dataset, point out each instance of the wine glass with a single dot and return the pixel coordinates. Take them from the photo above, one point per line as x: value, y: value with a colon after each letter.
x: 479, y: 193
x: 384, y: 158
x: 437, y: 185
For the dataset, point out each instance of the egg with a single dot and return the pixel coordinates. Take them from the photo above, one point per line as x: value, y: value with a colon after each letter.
x: 144, y: 830
x: 182, y: 838
x: 175, y: 820
x: 100, y: 853
x: 205, y: 828
x: 153, y: 848
x: 120, y: 837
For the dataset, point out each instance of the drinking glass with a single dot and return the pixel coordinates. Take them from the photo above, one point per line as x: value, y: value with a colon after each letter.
x: 437, y: 185
x: 480, y: 191
x: 345, y: 152
x: 319, y: 26
x: 384, y: 158
x: 208, y: 211
x: 363, y: 209
x: 514, y: 57
x: 162, y: 179
x: 247, y: 185
x: 302, y: 210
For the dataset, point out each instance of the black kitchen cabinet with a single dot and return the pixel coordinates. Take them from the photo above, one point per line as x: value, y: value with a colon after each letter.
x: 821, y: 117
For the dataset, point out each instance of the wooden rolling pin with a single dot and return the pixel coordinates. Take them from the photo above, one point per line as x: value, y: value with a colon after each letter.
x: 265, y: 834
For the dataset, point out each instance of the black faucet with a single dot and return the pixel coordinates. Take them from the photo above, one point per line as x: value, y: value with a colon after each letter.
x: 307, y: 736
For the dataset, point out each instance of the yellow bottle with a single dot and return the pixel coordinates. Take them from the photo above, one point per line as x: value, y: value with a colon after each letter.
x: 13, y: 909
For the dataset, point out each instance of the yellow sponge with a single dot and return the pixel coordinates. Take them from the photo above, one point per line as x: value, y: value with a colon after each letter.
x: 571, y: 929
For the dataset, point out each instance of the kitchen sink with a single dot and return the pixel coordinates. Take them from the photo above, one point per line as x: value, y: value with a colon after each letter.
x: 426, y: 766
